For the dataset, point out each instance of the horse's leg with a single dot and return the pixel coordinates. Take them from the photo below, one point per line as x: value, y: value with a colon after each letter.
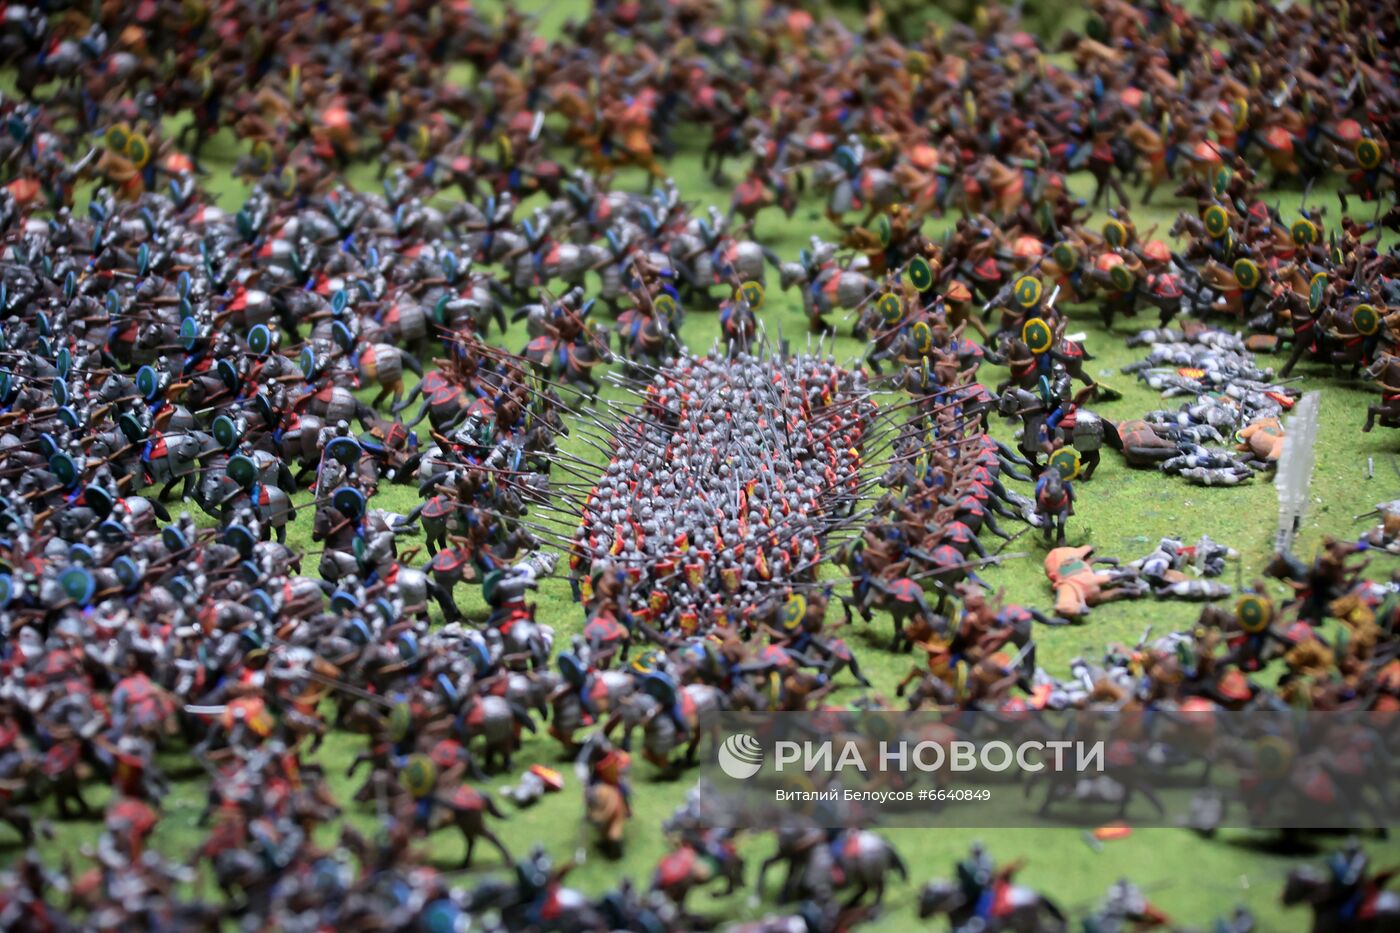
x: 1371, y: 412
x: 469, y: 841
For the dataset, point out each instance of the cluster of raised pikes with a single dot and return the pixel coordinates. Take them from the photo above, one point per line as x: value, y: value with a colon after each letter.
x: 254, y: 364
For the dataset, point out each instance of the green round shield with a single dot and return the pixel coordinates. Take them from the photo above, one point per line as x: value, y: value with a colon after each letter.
x: 147, y: 382
x: 259, y: 339
x: 1255, y: 612
x: 1304, y: 232
x: 1247, y: 274
x: 1037, y: 335
x: 1065, y: 461
x: 793, y: 612
x: 1366, y: 319
x: 1122, y: 277
x: 225, y: 431
x: 78, y: 584
x: 1027, y: 291
x: 752, y: 293
x: 883, y: 230
x: 1115, y: 233
x: 189, y: 333
x: 62, y: 466
x: 400, y: 721
x: 664, y: 305
x: 489, y: 586
x: 307, y: 361
x: 1368, y: 153
x: 349, y: 501
x: 1217, y: 221
x: 131, y: 427
x: 228, y: 374
x: 922, y: 335
x: 889, y: 306
x: 60, y: 392
x: 63, y: 362
x: 99, y: 500
x: 1065, y: 256
x: 1221, y: 181
x: 242, y: 470
x: 419, y: 776
x: 920, y: 273
x: 1317, y: 291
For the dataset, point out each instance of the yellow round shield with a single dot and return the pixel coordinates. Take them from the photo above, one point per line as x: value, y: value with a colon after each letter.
x: 419, y: 776
x: 1317, y: 291
x: 793, y: 612
x: 1366, y: 319
x: 262, y: 157
x: 890, y: 307
x: 1065, y: 256
x: 1122, y: 277
x: 117, y: 137
x: 138, y: 150
x: 1304, y: 232
x: 423, y: 140
x: 1273, y: 755
x: 753, y: 293
x: 1065, y: 461
x: 1115, y: 233
x: 1217, y: 221
x: 664, y: 305
x: 504, y: 150
x: 1037, y: 335
x: 1027, y: 291
x: 1239, y: 112
x: 288, y: 179
x: 1254, y: 612
x: 1247, y: 274
x: 1368, y: 153
x: 883, y: 230
x: 922, y: 336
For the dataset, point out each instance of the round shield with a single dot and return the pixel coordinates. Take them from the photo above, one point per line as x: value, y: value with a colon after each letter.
x: 1304, y: 232
x: 262, y: 157
x: 147, y: 382
x: 242, y: 470
x: 259, y: 339
x: 63, y: 361
x: 112, y: 532
x: 344, y: 450
x: 342, y: 336
x: 1221, y: 181
x: 349, y: 501
x: 793, y: 612
x: 189, y: 333
x: 922, y: 335
x: 1368, y: 153
x: 78, y: 584
x: 419, y: 776
x: 228, y: 374
x: 1065, y: 256
x: 847, y: 159
x: 240, y: 539
x: 883, y: 230
x: 890, y: 308
x: 117, y: 137
x: 664, y: 305
x: 1027, y: 291
x: 1247, y: 274
x: 60, y: 392
x: 1217, y: 221
x: 753, y: 293
x: 1066, y: 462
x: 920, y: 273
x: 1122, y: 277
x: 62, y: 466
x: 1239, y: 113
x: 131, y: 427
x: 1115, y: 233
x: 1255, y: 612
x: 99, y: 500
x: 288, y: 180
x: 400, y: 721
x: 572, y: 669
x: 344, y: 600
x: 1272, y: 756
x: 138, y: 150
x: 226, y: 432
x: 70, y: 418
x: 1037, y: 335
x: 307, y: 362
x: 173, y: 539
x: 1366, y: 319
x: 128, y: 574
x: 7, y: 590
x: 1317, y: 291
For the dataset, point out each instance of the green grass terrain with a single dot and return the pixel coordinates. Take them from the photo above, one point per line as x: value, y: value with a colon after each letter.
x: 1122, y: 511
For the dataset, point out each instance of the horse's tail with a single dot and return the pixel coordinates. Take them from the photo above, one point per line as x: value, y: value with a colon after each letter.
x: 1053, y: 909
x: 413, y: 364
x: 897, y: 863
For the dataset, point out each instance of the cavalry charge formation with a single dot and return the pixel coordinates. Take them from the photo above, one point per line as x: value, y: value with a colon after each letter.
x: 724, y: 520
